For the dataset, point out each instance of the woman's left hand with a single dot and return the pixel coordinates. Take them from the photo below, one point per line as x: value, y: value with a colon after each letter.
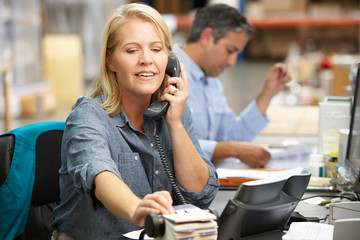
x: 177, y: 93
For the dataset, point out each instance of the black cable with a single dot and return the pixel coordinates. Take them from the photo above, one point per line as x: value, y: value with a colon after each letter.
x: 332, y: 196
x: 170, y: 176
x: 142, y: 235
x: 324, y: 219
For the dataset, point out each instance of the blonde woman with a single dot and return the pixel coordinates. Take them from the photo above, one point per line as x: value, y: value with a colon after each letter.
x: 112, y: 174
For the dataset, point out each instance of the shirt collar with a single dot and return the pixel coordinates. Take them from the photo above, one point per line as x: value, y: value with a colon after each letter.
x: 196, y: 72
x: 119, y: 119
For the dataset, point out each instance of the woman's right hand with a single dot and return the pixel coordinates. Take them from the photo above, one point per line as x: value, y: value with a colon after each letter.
x: 158, y: 203
x: 118, y: 198
x: 177, y: 96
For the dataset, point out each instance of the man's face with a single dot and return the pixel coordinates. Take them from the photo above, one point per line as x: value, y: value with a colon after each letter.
x: 223, y: 54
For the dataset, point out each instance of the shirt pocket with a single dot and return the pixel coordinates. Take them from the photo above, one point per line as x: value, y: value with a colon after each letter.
x: 133, y: 173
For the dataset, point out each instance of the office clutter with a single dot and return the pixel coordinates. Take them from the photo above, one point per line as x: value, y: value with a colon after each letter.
x: 317, y: 75
x: 334, y: 124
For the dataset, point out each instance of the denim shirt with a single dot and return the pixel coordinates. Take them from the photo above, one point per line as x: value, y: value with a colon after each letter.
x: 214, y: 121
x: 93, y: 142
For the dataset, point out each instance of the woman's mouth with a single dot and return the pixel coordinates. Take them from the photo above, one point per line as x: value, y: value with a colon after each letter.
x: 145, y: 74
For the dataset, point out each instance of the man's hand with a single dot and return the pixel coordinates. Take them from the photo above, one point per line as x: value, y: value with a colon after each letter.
x: 253, y: 155
x: 275, y: 81
x: 250, y: 154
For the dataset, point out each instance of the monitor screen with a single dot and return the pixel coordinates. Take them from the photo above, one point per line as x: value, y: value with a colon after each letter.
x: 352, y: 159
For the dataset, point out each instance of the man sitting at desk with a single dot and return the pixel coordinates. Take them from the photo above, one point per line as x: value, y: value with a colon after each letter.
x: 218, y: 34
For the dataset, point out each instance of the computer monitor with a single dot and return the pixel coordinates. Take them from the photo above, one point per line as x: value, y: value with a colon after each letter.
x: 261, y: 206
x: 352, y: 157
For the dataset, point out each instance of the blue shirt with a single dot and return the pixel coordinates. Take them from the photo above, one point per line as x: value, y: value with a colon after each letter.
x: 214, y: 121
x: 93, y: 142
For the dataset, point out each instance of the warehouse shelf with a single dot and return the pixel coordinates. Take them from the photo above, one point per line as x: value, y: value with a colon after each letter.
x: 184, y: 21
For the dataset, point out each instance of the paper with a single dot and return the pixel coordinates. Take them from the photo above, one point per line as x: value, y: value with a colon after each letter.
x: 315, y: 200
x: 257, y: 174
x: 298, y: 156
x: 189, y: 213
x: 136, y: 235
x: 309, y: 231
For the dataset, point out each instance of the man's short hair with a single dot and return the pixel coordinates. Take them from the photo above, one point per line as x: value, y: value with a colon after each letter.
x: 222, y: 19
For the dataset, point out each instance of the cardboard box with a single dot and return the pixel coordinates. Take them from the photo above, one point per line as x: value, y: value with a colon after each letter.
x: 36, y: 99
x: 272, y: 43
x: 284, y: 5
x: 63, y: 66
x: 325, y: 9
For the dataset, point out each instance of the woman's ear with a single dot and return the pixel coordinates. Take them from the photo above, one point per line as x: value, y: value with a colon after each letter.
x: 109, y: 63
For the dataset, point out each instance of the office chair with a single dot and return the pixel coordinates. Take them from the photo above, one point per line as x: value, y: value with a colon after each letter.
x: 29, y: 180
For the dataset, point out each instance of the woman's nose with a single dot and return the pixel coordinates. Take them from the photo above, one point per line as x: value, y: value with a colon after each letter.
x: 146, y: 58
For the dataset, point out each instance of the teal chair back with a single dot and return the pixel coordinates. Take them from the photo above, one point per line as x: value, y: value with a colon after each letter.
x: 30, y: 159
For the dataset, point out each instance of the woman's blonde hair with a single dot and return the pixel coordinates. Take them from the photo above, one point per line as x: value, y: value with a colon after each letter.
x: 106, y: 83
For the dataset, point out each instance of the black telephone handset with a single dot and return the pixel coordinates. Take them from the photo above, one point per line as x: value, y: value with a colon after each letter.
x: 158, y: 109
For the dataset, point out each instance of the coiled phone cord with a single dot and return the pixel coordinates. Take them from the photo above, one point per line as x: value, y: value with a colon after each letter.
x: 170, y: 176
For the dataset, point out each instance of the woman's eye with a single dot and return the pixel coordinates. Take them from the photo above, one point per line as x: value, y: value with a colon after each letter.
x: 156, y: 49
x: 131, y: 51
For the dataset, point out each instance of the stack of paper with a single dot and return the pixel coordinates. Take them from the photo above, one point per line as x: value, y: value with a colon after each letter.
x: 190, y: 222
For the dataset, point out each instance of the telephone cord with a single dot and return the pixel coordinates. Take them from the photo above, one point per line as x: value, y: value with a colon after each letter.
x: 170, y: 176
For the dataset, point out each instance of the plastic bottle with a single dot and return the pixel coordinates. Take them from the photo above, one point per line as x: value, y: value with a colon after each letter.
x: 344, y: 173
x: 317, y: 165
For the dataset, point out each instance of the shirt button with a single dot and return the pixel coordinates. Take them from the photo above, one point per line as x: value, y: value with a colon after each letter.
x: 156, y: 172
x: 136, y: 157
x: 151, y: 144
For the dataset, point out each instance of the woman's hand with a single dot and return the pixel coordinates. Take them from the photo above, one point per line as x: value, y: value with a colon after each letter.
x: 157, y: 202
x: 177, y: 93
x: 118, y: 198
